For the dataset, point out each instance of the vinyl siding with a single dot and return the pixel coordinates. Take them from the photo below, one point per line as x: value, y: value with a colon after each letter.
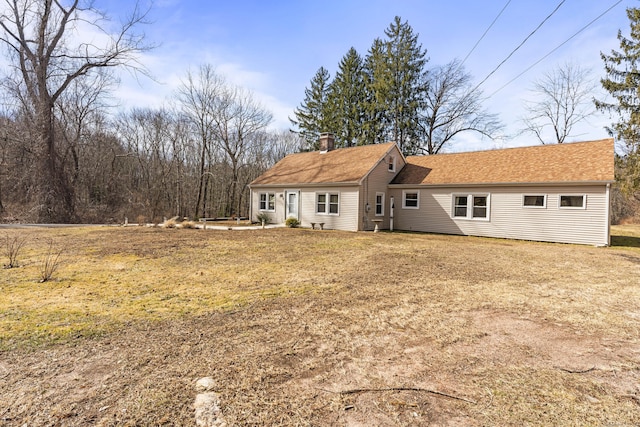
x: 277, y: 217
x: 347, y: 218
x: 378, y: 182
x: 508, y: 218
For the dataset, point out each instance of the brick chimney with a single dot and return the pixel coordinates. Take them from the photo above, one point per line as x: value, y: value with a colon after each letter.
x: 327, y: 142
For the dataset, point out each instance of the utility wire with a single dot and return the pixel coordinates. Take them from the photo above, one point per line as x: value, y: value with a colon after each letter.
x: 519, y: 46
x: 554, y: 49
x: 485, y: 33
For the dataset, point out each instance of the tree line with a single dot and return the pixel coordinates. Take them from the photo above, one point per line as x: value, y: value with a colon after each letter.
x: 391, y: 95
x: 65, y: 158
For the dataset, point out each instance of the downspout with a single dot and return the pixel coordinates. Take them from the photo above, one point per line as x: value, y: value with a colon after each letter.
x: 250, y: 204
x: 608, y: 225
x: 392, y: 203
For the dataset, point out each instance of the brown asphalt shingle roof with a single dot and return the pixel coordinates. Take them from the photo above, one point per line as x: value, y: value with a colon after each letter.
x: 345, y: 165
x: 570, y: 162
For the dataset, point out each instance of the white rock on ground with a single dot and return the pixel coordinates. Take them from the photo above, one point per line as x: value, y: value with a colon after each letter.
x: 207, y: 405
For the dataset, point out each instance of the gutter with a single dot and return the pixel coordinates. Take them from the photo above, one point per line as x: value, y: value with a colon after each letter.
x: 501, y: 184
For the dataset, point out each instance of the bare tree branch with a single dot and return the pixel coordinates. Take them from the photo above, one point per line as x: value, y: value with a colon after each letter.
x: 563, y: 99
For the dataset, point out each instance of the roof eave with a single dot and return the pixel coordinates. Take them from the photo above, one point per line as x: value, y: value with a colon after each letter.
x: 307, y: 185
x: 502, y: 184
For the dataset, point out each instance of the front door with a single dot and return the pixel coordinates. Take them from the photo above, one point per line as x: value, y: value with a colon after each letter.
x: 292, y: 204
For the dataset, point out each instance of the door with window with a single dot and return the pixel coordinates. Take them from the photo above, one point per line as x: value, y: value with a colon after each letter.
x: 292, y: 204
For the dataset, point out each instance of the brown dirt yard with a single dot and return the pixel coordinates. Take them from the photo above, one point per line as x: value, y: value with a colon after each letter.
x: 302, y: 327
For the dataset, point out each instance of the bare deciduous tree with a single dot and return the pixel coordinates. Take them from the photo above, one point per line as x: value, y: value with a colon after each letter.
x: 563, y: 99
x: 451, y: 107
x: 47, y: 55
x: 198, y: 98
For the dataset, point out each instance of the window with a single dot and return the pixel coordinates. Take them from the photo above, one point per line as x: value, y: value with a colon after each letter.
x: 460, y: 207
x: 268, y: 202
x: 379, y: 204
x: 575, y: 202
x: 534, y: 201
x: 479, y: 206
x: 327, y: 203
x: 471, y: 206
x: 410, y: 200
x: 392, y: 164
x: 333, y: 204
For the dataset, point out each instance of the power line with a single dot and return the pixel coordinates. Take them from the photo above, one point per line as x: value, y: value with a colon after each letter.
x: 519, y: 46
x: 485, y: 33
x: 556, y: 48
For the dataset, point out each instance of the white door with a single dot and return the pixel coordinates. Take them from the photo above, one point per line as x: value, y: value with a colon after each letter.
x: 292, y: 204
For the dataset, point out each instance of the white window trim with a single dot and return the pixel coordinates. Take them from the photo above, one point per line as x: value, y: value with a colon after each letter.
x: 544, y: 205
x: 376, y: 203
x: 266, y: 209
x: 469, y: 216
x: 392, y: 162
x: 584, y: 201
x: 327, y: 203
x: 404, y: 199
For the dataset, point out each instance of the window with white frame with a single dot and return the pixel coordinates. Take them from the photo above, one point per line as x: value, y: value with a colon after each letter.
x: 379, y: 204
x: 573, y: 201
x: 534, y: 201
x: 480, y: 207
x: 460, y: 206
x: 268, y: 202
x: 410, y: 199
x: 392, y: 164
x: 471, y: 206
x: 328, y: 203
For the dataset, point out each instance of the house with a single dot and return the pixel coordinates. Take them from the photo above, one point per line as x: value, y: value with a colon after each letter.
x: 553, y: 193
x: 343, y: 189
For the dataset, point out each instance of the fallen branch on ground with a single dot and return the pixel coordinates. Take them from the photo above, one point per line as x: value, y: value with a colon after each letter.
x: 571, y: 371
x: 423, y: 390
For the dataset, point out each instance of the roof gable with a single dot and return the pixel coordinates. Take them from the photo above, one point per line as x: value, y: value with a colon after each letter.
x: 343, y: 165
x: 570, y: 162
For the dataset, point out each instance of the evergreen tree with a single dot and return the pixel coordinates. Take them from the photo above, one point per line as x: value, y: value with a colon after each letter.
x: 623, y: 84
x: 406, y: 71
x: 314, y: 115
x: 376, y: 81
x: 346, y: 98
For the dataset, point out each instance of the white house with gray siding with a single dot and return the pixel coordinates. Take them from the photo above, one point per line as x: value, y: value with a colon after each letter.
x: 553, y: 193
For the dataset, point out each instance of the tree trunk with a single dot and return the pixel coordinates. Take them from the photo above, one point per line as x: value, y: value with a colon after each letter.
x: 55, y: 193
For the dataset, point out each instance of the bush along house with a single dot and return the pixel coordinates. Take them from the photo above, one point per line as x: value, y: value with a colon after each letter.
x: 552, y: 193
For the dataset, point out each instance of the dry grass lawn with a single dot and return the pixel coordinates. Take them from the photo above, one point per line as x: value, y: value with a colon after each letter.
x: 301, y: 327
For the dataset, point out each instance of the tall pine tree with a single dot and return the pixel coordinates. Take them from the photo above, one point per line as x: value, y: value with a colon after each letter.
x: 346, y: 98
x: 376, y: 77
x: 406, y: 71
x: 623, y: 84
x: 314, y: 115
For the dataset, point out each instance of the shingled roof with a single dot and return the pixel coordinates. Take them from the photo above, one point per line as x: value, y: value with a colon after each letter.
x: 341, y: 166
x: 569, y: 162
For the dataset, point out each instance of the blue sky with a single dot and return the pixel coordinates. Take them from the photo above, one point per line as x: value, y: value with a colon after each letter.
x: 275, y: 47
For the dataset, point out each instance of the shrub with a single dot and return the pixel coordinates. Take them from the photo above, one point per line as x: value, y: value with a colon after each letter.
x: 12, y: 249
x: 170, y: 223
x: 189, y: 224
x: 292, y: 222
x: 50, y: 263
x: 263, y: 217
